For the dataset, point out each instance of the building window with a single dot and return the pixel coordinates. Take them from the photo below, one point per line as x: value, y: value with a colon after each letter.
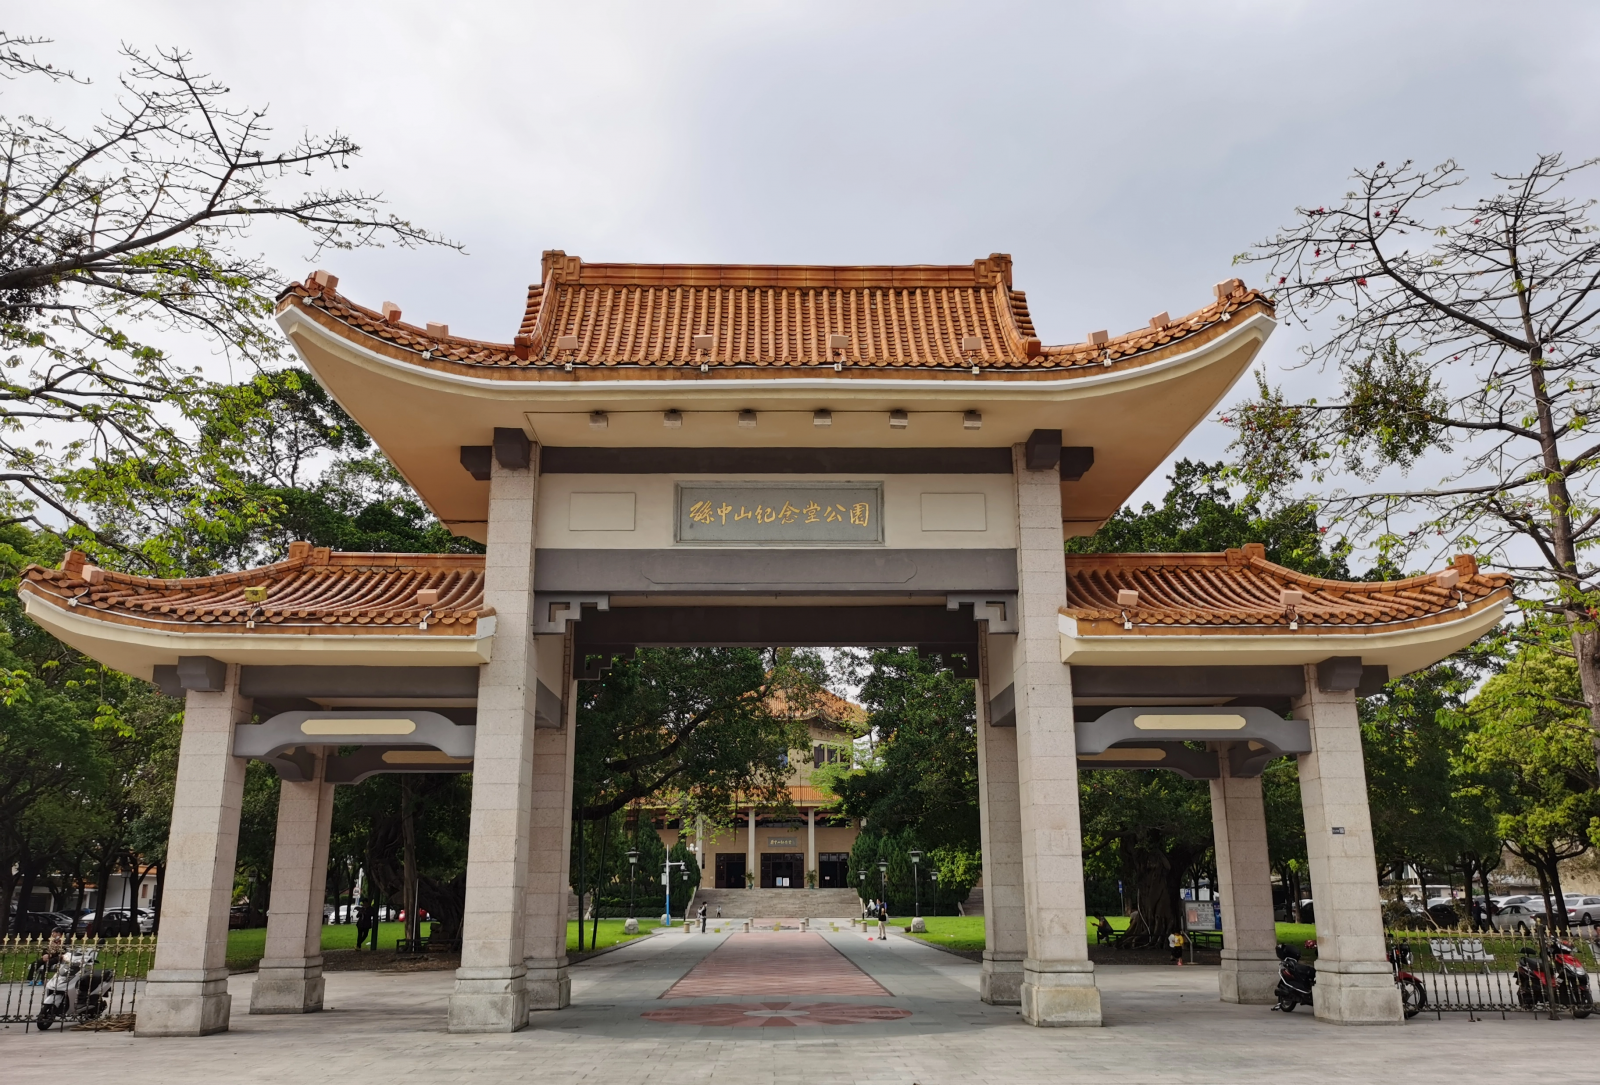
x: 824, y: 754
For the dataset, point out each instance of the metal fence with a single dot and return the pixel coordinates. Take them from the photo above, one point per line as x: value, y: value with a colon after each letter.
x: 1473, y: 972
x: 51, y: 981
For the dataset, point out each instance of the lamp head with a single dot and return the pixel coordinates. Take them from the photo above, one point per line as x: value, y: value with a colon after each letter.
x: 883, y: 864
x: 916, y: 856
x: 633, y: 857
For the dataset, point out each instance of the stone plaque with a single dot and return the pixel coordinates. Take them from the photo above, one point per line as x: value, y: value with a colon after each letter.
x: 781, y: 513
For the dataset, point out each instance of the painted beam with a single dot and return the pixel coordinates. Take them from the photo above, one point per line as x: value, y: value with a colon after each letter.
x: 827, y: 570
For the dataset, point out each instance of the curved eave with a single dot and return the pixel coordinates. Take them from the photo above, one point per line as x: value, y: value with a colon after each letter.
x: 307, y: 325
x: 136, y: 649
x: 1403, y: 647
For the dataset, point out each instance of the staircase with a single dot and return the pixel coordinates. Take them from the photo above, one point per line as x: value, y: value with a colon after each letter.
x: 777, y: 903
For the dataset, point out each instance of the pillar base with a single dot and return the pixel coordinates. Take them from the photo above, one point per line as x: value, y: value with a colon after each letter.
x: 1000, y: 982
x: 288, y: 987
x: 1064, y: 998
x: 1248, y: 981
x: 547, y: 986
x: 184, y: 1007
x: 1357, y: 993
x: 488, y: 1000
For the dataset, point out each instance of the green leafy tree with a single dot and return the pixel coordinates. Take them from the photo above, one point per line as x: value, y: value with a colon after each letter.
x: 1424, y: 814
x: 923, y: 775
x: 1201, y: 514
x: 693, y: 728
x: 1286, y: 830
x: 1531, y: 756
x: 1154, y: 828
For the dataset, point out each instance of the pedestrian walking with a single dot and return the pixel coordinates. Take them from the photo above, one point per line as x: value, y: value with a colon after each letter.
x: 702, y: 914
x: 1175, y: 942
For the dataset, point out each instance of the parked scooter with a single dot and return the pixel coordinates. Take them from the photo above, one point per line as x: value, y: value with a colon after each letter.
x: 1413, y: 995
x: 1295, y: 980
x: 77, y: 990
x: 1570, y: 979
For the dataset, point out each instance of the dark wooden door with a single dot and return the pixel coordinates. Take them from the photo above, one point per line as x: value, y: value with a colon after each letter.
x: 730, y: 870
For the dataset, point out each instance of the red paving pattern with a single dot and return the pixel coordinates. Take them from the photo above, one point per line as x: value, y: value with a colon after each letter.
x: 774, y: 964
x: 776, y: 1014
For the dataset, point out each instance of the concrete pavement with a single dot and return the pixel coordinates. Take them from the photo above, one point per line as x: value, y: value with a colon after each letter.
x: 1162, y: 1024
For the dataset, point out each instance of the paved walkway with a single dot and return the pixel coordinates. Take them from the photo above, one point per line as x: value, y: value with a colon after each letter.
x: 926, y: 1027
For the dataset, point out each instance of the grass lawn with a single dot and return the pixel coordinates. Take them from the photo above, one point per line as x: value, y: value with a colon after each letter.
x: 966, y: 932
x: 610, y: 933
x: 246, y: 947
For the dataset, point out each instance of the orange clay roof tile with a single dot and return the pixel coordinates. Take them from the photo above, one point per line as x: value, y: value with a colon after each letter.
x: 1240, y: 590
x: 770, y: 319
x: 313, y: 591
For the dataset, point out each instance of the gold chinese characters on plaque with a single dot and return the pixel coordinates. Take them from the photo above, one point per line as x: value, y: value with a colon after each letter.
x: 785, y: 513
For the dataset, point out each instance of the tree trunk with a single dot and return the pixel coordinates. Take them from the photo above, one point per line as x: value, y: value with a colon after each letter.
x: 1559, y: 918
x: 1586, y: 645
x: 408, y: 865
x: 1483, y: 883
x: 599, y: 878
x: 155, y: 901
x: 583, y: 885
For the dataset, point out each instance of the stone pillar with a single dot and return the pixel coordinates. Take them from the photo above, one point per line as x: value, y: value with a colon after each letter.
x: 811, y: 846
x: 750, y: 867
x: 1005, y: 926
x: 1057, y: 976
x: 489, y: 994
x: 290, y: 975
x: 187, y: 990
x: 550, y: 851
x: 1244, y: 881
x: 1355, y: 985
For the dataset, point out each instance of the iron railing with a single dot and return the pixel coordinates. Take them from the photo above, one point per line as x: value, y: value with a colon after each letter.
x: 1500, y: 972
x: 31, y: 967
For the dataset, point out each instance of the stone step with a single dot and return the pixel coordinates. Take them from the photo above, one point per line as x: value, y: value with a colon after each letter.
x: 777, y: 903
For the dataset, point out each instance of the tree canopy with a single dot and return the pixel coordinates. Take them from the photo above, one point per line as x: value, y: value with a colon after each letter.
x: 1462, y: 324
x: 118, y: 241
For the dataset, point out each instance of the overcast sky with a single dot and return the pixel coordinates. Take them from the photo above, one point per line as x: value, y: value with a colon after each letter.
x: 1123, y: 153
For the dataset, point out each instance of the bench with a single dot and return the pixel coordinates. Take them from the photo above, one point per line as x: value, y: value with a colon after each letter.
x: 1459, y: 951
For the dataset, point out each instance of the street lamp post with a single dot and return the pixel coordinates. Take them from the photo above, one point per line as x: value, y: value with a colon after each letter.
x: 666, y: 881
x: 934, y: 876
x: 861, y: 895
x: 633, y: 872
x: 883, y: 884
x: 916, y: 884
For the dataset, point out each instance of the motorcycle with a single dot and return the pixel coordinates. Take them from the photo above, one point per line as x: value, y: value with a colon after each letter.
x: 1295, y: 980
x: 77, y: 989
x: 1566, y: 985
x: 1413, y: 995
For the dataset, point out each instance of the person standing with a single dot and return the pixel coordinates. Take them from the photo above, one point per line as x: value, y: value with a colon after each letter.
x: 1175, y: 942
x: 702, y: 915
x: 883, y: 920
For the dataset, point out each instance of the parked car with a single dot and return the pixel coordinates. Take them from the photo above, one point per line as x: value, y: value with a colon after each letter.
x: 345, y: 913
x: 1583, y: 910
x: 41, y: 923
x: 238, y: 916
x: 1522, y: 917
x: 85, y: 923
x: 115, y: 922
